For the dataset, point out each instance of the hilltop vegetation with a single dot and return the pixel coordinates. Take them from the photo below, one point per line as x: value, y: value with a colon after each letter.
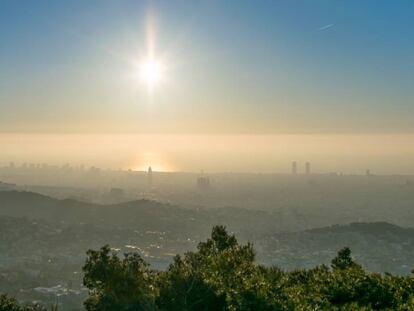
x: 222, y: 275
x: 145, y: 214
x: 33, y: 225
x: 379, y: 246
x: 41, y: 254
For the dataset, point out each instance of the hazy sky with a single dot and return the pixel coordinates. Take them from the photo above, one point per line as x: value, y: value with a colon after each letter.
x: 230, y: 68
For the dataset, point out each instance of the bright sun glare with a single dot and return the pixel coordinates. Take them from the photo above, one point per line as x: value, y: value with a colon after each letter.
x: 151, y: 72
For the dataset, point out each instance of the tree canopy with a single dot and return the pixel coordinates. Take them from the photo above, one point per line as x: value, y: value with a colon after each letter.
x: 222, y: 275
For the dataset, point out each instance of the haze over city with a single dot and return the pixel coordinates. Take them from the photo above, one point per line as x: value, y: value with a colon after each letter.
x: 208, y: 85
x: 169, y: 155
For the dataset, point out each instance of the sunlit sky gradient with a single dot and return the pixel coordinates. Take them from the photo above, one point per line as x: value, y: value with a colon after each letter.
x: 232, y: 68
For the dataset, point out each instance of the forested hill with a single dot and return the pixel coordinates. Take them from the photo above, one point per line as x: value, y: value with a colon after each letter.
x: 378, y: 246
x: 44, y: 240
x: 222, y: 274
x: 142, y: 214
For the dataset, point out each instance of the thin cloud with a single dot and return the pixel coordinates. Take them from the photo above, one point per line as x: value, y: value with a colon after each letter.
x: 325, y: 27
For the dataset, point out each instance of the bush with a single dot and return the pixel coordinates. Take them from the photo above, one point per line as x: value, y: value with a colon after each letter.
x: 223, y: 275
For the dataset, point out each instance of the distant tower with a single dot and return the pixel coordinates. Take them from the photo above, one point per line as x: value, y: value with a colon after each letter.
x: 294, y: 168
x: 149, y: 178
x: 203, y: 183
x: 307, y: 168
x: 368, y: 172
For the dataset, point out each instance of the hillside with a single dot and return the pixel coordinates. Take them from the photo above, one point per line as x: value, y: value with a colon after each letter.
x: 378, y: 246
x: 142, y: 214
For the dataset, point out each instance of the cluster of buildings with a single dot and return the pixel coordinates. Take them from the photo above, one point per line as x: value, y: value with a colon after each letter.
x: 295, y: 168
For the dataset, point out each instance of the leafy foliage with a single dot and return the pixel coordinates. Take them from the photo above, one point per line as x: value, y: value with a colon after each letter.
x: 222, y: 275
x: 11, y: 304
x: 117, y: 284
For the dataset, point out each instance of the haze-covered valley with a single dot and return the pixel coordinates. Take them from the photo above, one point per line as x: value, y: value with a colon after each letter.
x: 294, y: 221
x: 206, y: 155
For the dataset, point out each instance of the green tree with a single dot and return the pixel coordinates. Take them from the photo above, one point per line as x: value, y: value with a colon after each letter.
x: 116, y: 284
x: 222, y: 275
x: 343, y: 260
x: 10, y: 304
x: 182, y: 287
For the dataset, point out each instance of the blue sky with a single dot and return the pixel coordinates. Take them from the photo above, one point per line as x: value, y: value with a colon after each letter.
x: 246, y: 67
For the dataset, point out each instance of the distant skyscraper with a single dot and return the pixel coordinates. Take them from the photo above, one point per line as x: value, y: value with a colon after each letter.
x: 294, y: 168
x: 203, y: 183
x: 368, y: 173
x: 149, y: 178
x: 307, y: 168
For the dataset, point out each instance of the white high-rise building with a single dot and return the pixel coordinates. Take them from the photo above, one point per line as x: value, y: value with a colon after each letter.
x: 307, y: 168
x: 149, y: 178
x: 294, y: 168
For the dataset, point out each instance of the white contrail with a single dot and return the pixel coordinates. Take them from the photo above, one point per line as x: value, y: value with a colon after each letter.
x: 325, y: 27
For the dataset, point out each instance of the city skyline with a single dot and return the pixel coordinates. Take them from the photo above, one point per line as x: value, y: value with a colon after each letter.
x: 391, y: 154
x: 156, y: 73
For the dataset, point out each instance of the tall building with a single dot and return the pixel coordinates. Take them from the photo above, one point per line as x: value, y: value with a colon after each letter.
x: 203, y: 183
x: 294, y: 168
x: 149, y: 178
x: 307, y: 168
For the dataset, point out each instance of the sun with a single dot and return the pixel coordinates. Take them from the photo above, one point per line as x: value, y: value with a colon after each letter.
x: 151, y: 72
